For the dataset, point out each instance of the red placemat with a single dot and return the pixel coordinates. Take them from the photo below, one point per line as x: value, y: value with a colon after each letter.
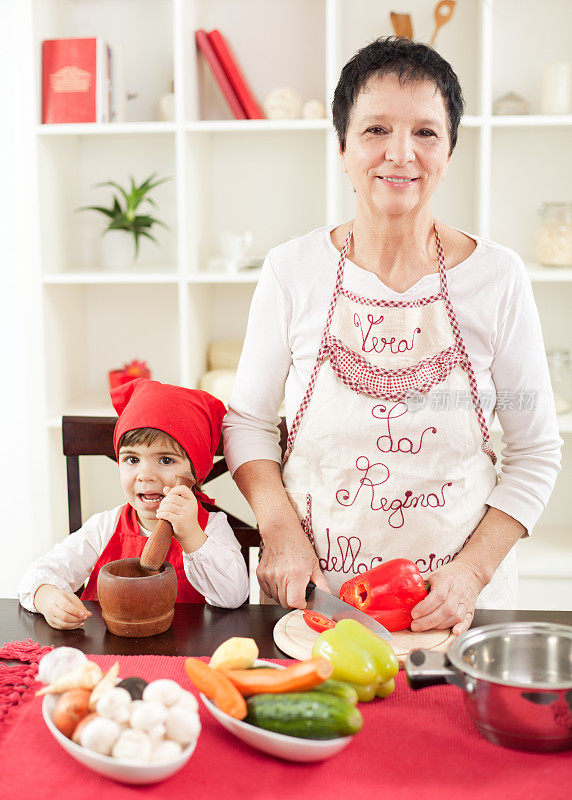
x: 412, y: 744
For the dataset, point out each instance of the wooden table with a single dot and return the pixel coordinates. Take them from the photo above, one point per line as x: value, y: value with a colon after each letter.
x: 196, y: 631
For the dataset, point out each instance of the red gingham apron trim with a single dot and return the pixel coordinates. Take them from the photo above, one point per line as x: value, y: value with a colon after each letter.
x: 466, y: 362
x: 306, y: 522
x: 358, y: 374
x: 366, y: 301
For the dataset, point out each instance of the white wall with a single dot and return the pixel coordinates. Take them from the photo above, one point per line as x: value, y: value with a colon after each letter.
x: 24, y: 490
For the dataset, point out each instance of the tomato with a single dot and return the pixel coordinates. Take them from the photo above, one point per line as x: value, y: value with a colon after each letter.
x: 316, y: 621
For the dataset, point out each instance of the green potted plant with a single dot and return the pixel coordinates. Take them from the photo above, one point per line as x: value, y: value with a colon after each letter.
x: 126, y: 219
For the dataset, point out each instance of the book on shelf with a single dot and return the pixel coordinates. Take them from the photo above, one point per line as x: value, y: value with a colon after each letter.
x: 77, y: 81
x: 234, y: 74
x: 206, y: 48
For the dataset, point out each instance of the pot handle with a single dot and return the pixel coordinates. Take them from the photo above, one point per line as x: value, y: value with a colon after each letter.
x: 430, y: 667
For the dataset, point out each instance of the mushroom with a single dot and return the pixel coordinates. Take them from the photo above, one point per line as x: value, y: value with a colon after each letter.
x: 115, y: 704
x: 100, y: 734
x: 76, y: 735
x: 166, y: 750
x: 132, y: 746
x: 182, y: 726
x: 157, y: 732
x: 145, y: 715
x: 187, y: 701
x: 59, y: 661
x: 163, y: 691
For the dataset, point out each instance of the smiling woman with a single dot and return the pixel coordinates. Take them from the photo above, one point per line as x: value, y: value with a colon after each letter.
x: 394, y: 327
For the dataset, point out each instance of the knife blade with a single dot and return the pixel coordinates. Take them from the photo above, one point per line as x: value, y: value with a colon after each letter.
x: 336, y: 609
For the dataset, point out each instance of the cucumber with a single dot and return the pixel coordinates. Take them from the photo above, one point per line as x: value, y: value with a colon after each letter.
x: 309, y: 715
x: 338, y: 688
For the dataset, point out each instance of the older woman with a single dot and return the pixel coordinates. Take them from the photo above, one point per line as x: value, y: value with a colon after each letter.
x: 395, y: 337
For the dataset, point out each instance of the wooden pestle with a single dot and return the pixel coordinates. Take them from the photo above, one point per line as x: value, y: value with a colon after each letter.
x: 159, y: 541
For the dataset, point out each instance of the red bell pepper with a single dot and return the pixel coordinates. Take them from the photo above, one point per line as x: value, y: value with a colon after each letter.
x: 387, y: 592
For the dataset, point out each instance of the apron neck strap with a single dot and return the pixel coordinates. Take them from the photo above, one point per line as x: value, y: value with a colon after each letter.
x: 441, y: 262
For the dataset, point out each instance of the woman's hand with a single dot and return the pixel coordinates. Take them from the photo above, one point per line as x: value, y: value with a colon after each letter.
x: 451, y: 601
x: 62, y: 610
x: 180, y: 508
x: 287, y: 564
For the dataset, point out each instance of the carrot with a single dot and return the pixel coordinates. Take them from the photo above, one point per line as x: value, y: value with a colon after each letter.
x: 216, y: 687
x: 297, y: 678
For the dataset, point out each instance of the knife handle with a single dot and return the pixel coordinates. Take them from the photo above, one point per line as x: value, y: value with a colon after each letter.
x: 309, y: 589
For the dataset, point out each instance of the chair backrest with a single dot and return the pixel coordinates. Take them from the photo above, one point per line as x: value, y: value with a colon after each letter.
x: 93, y: 436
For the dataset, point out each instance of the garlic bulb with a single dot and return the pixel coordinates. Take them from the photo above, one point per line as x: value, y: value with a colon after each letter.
x: 59, y: 661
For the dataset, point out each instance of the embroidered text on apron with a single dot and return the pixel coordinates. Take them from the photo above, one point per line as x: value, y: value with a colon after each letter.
x: 388, y: 455
x: 128, y: 542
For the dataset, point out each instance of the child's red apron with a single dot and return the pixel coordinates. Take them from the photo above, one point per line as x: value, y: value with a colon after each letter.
x: 388, y: 455
x: 128, y: 542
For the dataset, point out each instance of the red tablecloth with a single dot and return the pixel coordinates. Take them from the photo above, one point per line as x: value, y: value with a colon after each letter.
x: 413, y: 745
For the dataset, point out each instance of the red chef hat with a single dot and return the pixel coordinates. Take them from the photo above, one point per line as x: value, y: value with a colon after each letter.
x: 192, y: 417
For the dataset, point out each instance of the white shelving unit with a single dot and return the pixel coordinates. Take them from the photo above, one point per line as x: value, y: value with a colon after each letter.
x: 277, y: 179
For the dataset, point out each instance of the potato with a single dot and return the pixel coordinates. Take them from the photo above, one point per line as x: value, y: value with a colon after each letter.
x: 235, y: 653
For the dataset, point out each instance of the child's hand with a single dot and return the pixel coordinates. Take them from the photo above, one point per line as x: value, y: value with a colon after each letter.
x: 62, y: 610
x: 180, y: 508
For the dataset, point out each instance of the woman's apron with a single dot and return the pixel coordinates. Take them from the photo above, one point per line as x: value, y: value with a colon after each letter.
x: 128, y: 542
x: 388, y: 455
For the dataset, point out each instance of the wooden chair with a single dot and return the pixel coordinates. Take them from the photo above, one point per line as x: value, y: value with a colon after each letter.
x: 93, y: 436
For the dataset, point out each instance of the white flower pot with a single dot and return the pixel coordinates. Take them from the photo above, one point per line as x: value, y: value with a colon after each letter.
x: 117, y: 250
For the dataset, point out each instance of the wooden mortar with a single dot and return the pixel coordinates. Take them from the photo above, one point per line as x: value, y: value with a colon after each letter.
x: 138, y: 599
x: 134, y: 603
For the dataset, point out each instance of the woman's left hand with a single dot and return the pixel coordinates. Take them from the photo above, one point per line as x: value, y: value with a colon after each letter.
x: 451, y: 601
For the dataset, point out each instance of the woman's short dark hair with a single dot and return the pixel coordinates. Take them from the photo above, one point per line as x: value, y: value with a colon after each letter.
x: 410, y: 62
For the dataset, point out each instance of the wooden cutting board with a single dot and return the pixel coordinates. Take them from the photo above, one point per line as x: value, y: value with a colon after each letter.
x: 295, y: 638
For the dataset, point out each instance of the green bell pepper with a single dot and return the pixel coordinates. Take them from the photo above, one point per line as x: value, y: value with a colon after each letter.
x: 359, y: 657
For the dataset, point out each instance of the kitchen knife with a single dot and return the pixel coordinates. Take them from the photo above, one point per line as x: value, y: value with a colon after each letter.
x: 336, y: 609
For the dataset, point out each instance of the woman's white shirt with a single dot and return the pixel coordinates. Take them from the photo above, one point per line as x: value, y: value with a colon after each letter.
x: 493, y: 301
x: 217, y: 569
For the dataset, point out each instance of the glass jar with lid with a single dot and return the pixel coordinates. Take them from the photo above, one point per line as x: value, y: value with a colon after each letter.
x: 560, y: 366
x: 554, y: 239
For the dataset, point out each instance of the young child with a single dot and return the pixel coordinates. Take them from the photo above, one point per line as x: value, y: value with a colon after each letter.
x: 162, y: 430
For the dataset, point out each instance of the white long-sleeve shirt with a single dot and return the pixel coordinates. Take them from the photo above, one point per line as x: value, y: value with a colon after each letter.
x: 493, y: 301
x: 217, y: 569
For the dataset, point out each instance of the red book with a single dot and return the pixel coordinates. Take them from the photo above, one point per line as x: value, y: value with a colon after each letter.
x: 235, y: 76
x: 225, y: 85
x: 74, y: 81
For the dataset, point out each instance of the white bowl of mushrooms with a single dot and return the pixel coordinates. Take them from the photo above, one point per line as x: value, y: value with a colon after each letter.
x: 130, y: 731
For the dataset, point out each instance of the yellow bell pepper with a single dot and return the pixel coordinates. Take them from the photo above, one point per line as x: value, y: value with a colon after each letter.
x: 359, y: 657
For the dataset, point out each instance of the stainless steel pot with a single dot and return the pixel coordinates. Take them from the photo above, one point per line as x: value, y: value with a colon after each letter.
x: 517, y: 680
